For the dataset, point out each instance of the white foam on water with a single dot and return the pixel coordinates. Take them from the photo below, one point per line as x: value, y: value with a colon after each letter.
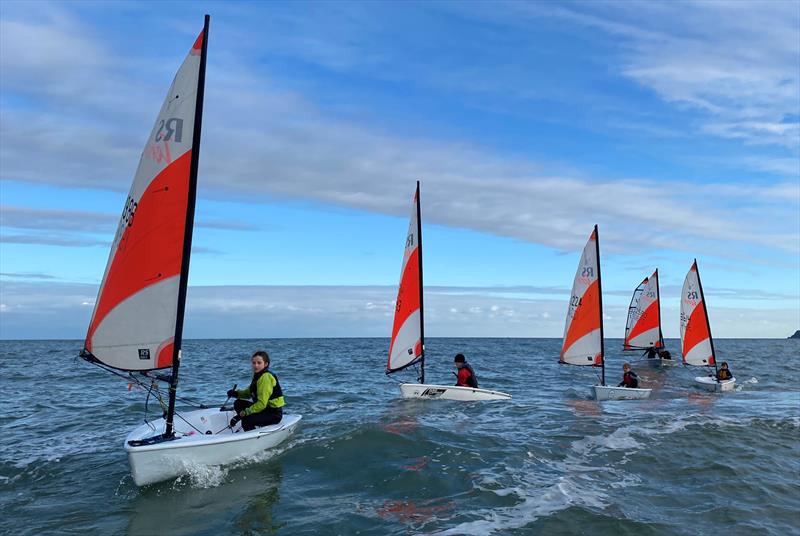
x: 572, y: 489
x: 201, y: 476
x: 752, y: 380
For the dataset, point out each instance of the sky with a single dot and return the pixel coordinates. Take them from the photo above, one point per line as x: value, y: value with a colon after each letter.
x: 674, y: 126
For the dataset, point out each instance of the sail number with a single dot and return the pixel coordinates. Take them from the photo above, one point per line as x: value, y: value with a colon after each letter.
x: 128, y: 212
x: 575, y: 301
x: 126, y: 220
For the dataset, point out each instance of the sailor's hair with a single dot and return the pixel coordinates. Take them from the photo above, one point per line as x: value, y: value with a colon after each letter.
x: 460, y: 358
x: 263, y: 355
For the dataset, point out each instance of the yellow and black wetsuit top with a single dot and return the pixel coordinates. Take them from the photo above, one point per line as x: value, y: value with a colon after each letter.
x: 266, y: 392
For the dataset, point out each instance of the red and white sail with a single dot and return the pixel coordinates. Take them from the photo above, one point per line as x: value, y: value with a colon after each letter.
x: 406, y: 345
x: 583, y: 333
x: 696, y: 344
x: 135, y: 315
x: 643, y: 328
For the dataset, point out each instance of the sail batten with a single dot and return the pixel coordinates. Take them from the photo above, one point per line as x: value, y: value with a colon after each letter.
x: 697, y: 346
x: 643, y: 327
x: 583, y: 331
x: 137, y: 319
x: 406, y: 346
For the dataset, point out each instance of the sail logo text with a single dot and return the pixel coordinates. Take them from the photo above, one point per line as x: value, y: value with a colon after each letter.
x: 169, y: 128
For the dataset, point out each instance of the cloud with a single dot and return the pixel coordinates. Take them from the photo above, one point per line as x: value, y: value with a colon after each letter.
x: 62, y: 310
x: 308, y: 154
x: 711, y: 56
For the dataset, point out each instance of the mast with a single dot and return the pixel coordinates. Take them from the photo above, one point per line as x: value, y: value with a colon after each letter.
x: 188, y: 228
x: 708, y: 323
x: 600, y: 299
x: 658, y: 299
x: 421, y: 309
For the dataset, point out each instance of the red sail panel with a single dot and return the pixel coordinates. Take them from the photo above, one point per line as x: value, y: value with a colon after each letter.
x: 406, y: 343
x: 135, y: 315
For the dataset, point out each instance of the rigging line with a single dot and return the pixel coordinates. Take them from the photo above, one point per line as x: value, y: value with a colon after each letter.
x: 140, y: 383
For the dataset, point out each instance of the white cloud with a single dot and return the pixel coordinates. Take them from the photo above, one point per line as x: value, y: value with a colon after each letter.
x: 261, y: 142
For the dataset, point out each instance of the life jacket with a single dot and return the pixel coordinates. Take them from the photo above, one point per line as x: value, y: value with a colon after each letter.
x: 724, y: 374
x: 630, y: 379
x: 471, y: 380
x: 277, y: 392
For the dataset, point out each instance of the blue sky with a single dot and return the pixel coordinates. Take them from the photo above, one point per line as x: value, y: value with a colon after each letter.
x: 675, y: 126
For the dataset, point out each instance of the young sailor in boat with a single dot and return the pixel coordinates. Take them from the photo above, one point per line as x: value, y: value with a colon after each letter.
x: 267, y: 397
x: 629, y: 377
x: 465, y: 376
x: 664, y: 354
x: 651, y: 353
x: 724, y: 372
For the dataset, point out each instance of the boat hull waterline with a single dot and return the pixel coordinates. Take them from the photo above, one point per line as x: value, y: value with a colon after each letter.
x: 709, y: 383
x: 169, y: 459
x: 449, y: 392
x: 606, y: 392
x: 662, y: 363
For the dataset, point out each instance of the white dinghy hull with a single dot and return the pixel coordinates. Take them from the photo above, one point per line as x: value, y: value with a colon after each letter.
x: 165, y: 460
x: 606, y: 392
x: 662, y: 363
x: 710, y: 384
x: 449, y: 392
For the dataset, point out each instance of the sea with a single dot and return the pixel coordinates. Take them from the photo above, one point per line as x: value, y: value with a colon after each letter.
x: 364, y: 461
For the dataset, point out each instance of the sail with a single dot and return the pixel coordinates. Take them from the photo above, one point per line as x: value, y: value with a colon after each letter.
x: 136, y: 312
x: 696, y: 344
x: 583, y: 337
x: 406, y: 345
x: 643, y: 329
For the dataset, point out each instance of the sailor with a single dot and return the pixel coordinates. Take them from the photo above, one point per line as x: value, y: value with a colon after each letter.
x: 266, y: 394
x: 629, y: 377
x: 664, y: 354
x: 651, y: 353
x: 465, y: 376
x: 724, y: 372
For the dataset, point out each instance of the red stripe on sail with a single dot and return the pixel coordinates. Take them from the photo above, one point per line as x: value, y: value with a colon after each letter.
x: 407, y: 298
x: 164, y: 358
x: 198, y: 45
x: 696, y: 331
x: 151, y: 247
x: 586, y: 318
x: 648, y: 320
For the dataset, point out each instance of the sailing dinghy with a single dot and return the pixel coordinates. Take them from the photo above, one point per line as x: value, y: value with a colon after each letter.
x: 583, y: 332
x: 643, y: 327
x: 407, y: 347
x: 697, y: 345
x: 137, y: 323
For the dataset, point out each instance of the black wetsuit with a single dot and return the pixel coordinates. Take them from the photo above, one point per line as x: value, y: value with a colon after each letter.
x: 724, y: 374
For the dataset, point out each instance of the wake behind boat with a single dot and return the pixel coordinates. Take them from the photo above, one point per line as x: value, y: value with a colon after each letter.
x: 583, y: 333
x: 137, y: 323
x: 407, y: 347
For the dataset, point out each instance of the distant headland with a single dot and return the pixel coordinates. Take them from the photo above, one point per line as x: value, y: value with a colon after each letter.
x: 796, y: 335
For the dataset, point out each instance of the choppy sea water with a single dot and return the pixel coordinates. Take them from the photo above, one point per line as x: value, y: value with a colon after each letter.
x: 364, y: 461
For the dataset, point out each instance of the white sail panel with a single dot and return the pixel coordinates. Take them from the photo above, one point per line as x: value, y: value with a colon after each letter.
x: 696, y: 345
x: 135, y: 314
x: 406, y: 343
x: 582, y: 343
